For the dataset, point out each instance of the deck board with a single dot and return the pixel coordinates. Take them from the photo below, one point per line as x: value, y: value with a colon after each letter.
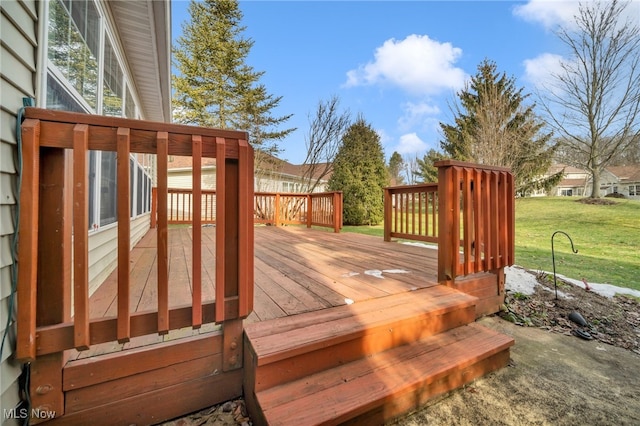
x: 297, y: 270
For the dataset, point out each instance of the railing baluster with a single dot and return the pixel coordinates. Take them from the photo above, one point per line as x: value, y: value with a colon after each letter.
x: 196, y: 213
x: 81, y: 237
x: 477, y: 215
x: 124, y: 217
x: 467, y: 219
x: 162, y: 140
x: 245, y: 224
x: 220, y: 227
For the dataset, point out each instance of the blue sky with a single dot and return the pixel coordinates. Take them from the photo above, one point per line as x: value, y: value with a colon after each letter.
x: 399, y: 64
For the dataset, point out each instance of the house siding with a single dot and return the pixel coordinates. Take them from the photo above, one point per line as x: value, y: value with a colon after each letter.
x: 103, y: 249
x: 18, y: 30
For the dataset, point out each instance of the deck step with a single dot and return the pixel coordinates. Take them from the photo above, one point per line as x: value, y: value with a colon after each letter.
x: 290, y: 348
x: 381, y: 386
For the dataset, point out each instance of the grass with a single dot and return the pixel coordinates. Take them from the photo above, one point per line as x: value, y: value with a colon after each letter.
x: 607, y: 238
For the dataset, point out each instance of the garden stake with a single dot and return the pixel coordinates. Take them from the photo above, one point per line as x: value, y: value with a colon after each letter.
x: 553, y: 257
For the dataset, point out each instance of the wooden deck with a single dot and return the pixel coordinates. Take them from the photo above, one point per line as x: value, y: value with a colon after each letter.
x: 296, y: 270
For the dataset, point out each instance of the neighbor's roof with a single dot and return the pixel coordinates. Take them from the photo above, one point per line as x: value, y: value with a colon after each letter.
x: 626, y: 173
x: 144, y: 26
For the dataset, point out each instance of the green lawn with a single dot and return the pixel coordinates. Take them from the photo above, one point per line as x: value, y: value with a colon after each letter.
x: 607, y: 238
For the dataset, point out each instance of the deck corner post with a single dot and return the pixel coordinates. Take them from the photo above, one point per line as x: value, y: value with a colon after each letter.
x: 154, y: 206
x: 387, y: 215
x: 446, y: 193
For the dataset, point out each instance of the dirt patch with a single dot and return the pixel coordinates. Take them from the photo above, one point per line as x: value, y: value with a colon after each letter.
x: 232, y: 413
x: 552, y: 379
x: 597, y: 201
x: 615, y: 321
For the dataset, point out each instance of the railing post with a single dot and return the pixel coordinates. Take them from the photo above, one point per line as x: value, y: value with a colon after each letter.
x: 446, y: 213
x: 54, y: 281
x: 387, y: 215
x: 277, y: 210
x: 309, y: 210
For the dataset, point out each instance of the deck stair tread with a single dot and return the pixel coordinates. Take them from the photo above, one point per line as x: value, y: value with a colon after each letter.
x: 339, y: 394
x: 286, y: 337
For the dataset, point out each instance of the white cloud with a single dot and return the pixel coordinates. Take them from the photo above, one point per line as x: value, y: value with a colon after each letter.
x: 540, y: 70
x: 417, y: 64
x: 549, y: 13
x: 411, y: 144
x: 417, y: 115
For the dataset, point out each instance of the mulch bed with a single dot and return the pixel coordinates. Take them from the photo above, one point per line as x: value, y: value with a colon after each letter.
x: 614, y: 321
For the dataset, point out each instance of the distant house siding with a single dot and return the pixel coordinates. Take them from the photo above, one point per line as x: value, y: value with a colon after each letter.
x: 18, y: 24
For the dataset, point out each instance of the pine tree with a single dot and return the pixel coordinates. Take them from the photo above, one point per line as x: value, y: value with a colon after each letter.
x: 214, y: 87
x: 426, y: 169
x: 493, y: 126
x: 359, y: 171
x: 395, y: 167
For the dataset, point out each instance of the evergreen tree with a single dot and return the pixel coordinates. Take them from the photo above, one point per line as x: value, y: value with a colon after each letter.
x: 426, y: 169
x: 214, y: 87
x: 494, y: 127
x: 395, y: 167
x: 359, y: 171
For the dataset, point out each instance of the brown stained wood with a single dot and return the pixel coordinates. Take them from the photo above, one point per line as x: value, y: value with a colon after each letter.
x: 28, y: 253
x: 346, y: 392
x: 50, y: 339
x: 477, y: 214
x: 196, y: 283
x: 467, y: 220
x: 232, y: 332
x: 245, y: 229
x: 162, y: 404
x: 313, y: 337
x: 130, y: 386
x: 221, y: 226
x: 124, y: 231
x: 54, y: 268
x: 163, y: 244
x: 57, y: 129
x: 81, y: 238
x: 88, y: 372
x: 418, y: 396
x: 377, y: 339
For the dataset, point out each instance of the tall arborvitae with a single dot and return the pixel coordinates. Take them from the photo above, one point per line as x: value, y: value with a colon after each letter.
x: 493, y: 126
x: 359, y: 171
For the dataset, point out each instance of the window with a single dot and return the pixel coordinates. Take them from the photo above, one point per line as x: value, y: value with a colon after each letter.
x: 634, y: 190
x: 73, y: 43
x: 108, y: 188
x: 567, y: 192
x: 82, y: 59
x: 113, y: 79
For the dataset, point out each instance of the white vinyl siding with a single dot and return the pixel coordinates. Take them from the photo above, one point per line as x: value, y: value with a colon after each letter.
x: 18, y: 26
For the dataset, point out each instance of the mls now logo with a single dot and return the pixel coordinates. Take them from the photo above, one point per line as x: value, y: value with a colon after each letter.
x: 23, y: 413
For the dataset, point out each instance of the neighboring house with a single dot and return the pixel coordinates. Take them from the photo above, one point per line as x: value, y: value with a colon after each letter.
x: 624, y: 180
x: 277, y: 176
x: 97, y: 57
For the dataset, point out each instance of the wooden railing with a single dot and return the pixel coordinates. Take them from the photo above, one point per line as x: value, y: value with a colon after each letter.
x: 316, y: 209
x: 277, y: 209
x: 54, y: 202
x: 411, y: 212
x: 469, y: 213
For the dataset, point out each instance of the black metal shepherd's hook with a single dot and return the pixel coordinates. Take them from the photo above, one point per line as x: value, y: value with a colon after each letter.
x: 553, y: 257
